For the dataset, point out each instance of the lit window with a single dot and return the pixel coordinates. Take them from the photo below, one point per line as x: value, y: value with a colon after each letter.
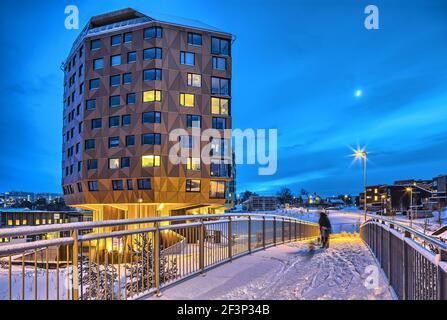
x: 186, y: 100
x: 217, y: 189
x: 150, y: 161
x: 194, y: 80
x: 193, y: 185
x: 37, y: 222
x: 193, y: 164
x: 219, y: 106
x: 151, y: 95
x: 10, y: 223
x: 114, y: 164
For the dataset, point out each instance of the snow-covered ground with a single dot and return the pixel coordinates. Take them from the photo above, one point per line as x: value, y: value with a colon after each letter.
x: 289, y: 272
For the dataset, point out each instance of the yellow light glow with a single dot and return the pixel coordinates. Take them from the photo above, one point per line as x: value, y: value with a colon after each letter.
x: 151, y: 95
x: 150, y: 161
x: 161, y: 207
x: 186, y: 100
x: 408, y: 189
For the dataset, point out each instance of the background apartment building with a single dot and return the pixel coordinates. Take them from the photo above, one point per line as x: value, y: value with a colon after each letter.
x: 130, y: 80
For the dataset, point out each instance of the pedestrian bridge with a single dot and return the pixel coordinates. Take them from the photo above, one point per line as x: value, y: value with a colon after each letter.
x: 231, y: 256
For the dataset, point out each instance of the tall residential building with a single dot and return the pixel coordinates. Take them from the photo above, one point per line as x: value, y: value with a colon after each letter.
x: 130, y: 80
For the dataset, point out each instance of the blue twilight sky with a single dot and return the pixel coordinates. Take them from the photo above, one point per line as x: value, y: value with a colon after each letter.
x: 297, y: 66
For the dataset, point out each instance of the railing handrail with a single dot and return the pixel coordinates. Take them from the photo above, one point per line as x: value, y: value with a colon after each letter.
x: 37, y: 230
x: 412, y: 231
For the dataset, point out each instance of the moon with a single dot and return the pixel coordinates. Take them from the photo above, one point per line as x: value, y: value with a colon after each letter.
x: 358, y: 93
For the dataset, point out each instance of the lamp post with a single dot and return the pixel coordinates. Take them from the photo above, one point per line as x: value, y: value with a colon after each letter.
x: 410, y: 190
x: 361, y: 154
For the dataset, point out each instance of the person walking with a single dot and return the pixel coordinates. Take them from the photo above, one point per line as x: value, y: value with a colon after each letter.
x: 325, y: 229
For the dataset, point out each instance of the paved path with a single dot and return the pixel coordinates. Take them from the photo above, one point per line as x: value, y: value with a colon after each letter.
x: 289, y: 272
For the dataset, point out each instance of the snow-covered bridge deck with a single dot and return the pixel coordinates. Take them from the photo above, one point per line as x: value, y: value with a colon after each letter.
x: 289, y: 271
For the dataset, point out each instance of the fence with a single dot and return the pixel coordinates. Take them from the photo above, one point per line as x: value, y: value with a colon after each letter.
x: 128, y: 259
x: 415, y: 264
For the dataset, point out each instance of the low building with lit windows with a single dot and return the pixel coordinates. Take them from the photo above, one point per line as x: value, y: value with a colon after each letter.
x: 130, y: 80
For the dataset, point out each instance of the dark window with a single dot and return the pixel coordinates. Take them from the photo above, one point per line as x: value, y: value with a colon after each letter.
x: 151, y: 117
x: 79, y: 187
x: 79, y: 166
x: 219, y: 63
x: 96, y: 123
x: 114, y: 142
x: 195, y: 39
x: 186, y: 142
x: 220, y: 46
x: 154, y: 32
x: 93, y: 186
x: 78, y: 147
x: 80, y: 127
x: 193, y: 185
x: 127, y: 78
x: 151, y: 139
x: 94, y: 84
x: 131, y: 98
x: 98, y: 64
x: 115, y: 101
x: 128, y: 37
x: 131, y: 57
x: 117, y: 185
x: 220, y: 86
x: 115, y: 60
x: 91, y: 104
x: 130, y: 141
x: 152, y: 74
x: 129, y: 185
x: 219, y: 169
x: 115, y: 80
x: 219, y: 123
x: 194, y: 121
x: 114, y: 122
x: 152, y: 53
x: 116, y: 40
x: 89, y: 144
x: 126, y: 120
x: 95, y: 45
x: 144, y: 184
x: 125, y: 162
x: 92, y: 164
x: 187, y: 58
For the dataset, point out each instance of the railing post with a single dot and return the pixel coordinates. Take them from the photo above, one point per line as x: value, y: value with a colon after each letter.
x: 202, y: 247
x: 75, y: 266
x: 442, y: 294
x: 230, y: 239
x: 405, y: 266
x: 389, y: 254
x: 283, y: 225
x: 263, y: 232
x: 249, y: 234
x: 157, y: 259
x: 294, y: 226
x: 274, y: 231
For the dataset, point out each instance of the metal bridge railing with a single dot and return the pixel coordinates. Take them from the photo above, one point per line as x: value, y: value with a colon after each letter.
x: 414, y: 263
x: 128, y: 259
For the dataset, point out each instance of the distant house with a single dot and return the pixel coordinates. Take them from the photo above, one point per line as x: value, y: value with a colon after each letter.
x: 261, y: 203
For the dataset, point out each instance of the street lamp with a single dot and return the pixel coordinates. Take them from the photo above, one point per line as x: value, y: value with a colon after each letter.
x: 362, y: 154
x: 410, y: 190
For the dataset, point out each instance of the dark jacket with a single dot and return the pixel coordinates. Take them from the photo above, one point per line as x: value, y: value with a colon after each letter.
x: 324, y: 221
